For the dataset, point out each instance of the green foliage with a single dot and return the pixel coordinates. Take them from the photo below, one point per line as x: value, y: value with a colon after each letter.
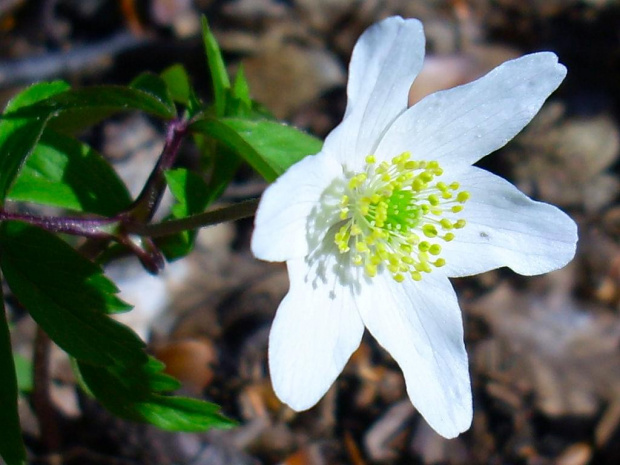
x: 20, y: 134
x: 157, y: 88
x: 181, y: 90
x: 67, y: 295
x: 77, y: 109
x: 193, y: 195
x: 66, y: 173
x: 177, y: 80
x: 11, y: 444
x: 139, y: 395
x: 217, y: 68
x: 41, y: 162
x: 268, y: 146
x: 70, y: 298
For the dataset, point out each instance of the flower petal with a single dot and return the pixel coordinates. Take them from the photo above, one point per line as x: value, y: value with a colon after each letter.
x: 315, y: 331
x: 384, y: 63
x: 507, y: 228
x: 420, y: 325
x: 463, y: 124
x: 282, y: 219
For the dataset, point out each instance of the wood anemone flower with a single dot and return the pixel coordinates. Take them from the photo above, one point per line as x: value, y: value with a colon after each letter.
x: 372, y: 227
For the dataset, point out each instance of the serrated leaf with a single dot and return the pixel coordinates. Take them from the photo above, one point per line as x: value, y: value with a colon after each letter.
x: 11, y: 445
x: 67, y: 295
x: 77, y: 109
x: 139, y: 395
x: 66, y: 173
x: 193, y: 195
x: 155, y: 86
x: 19, y: 135
x: 268, y: 146
x: 217, y: 68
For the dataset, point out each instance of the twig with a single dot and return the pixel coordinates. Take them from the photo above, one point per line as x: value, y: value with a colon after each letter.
x: 53, y: 65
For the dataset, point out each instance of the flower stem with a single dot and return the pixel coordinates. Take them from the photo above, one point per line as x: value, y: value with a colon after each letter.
x: 97, y: 228
x: 234, y: 212
x: 147, y: 202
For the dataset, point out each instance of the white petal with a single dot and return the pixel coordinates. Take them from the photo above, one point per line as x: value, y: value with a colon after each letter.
x: 281, y: 225
x: 315, y: 331
x: 463, y: 124
x: 420, y: 325
x: 507, y: 228
x: 385, y: 61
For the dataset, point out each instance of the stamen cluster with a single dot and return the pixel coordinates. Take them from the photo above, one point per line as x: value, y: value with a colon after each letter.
x: 394, y: 215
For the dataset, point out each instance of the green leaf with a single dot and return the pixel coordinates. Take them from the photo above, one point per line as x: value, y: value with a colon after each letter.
x: 139, y: 395
x: 217, y: 68
x: 66, y: 173
x: 11, y: 445
x: 23, y: 370
x: 77, y: 109
x: 19, y: 135
x: 193, y: 195
x: 268, y: 146
x: 155, y: 86
x: 67, y: 295
x: 177, y: 80
x: 239, y: 104
x: 241, y: 88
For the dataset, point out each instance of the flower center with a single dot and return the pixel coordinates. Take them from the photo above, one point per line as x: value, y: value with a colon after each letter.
x: 395, y: 214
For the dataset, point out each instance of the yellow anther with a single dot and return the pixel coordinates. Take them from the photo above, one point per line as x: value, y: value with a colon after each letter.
x: 426, y: 177
x: 371, y: 270
x: 446, y: 224
x: 448, y: 237
x: 429, y: 230
x: 462, y: 196
x: 417, y: 184
x: 361, y: 247
x: 392, y: 214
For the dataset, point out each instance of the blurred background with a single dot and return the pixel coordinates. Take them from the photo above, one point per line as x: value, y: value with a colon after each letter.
x: 544, y: 351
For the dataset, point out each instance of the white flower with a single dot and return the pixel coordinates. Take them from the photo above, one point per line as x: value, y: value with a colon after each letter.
x: 372, y: 227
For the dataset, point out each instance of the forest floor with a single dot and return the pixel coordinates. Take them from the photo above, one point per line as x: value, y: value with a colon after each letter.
x: 544, y: 351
